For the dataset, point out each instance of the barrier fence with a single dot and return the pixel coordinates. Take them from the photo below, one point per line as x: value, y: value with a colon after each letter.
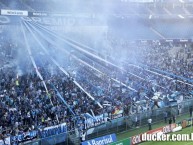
x: 126, y: 123
x: 55, y: 139
x: 119, y: 125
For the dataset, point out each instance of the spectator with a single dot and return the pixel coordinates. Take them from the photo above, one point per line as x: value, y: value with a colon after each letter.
x: 83, y: 136
x: 149, y: 123
x: 24, y: 101
x: 190, y: 110
x: 155, y: 104
x: 136, y: 122
x: 170, y: 120
x: 2, y: 137
x: 165, y: 116
x: 174, y: 118
x: 179, y: 109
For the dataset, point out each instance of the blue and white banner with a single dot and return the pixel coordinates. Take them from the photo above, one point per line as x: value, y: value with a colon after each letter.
x: 53, y: 130
x: 46, y: 132
x: 26, y: 136
x: 101, y: 140
x: 94, y: 121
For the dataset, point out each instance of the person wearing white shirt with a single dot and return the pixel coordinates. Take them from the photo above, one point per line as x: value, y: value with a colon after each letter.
x: 83, y: 136
x: 149, y: 123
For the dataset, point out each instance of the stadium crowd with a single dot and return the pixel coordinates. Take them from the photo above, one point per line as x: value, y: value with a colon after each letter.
x: 27, y: 105
x: 162, y: 64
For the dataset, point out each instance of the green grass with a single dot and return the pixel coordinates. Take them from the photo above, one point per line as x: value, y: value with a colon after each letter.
x: 136, y: 131
x: 143, y: 129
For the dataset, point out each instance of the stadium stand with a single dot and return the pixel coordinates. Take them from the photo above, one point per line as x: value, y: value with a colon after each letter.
x: 49, y: 78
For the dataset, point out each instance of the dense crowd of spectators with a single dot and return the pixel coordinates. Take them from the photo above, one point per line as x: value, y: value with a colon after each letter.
x: 165, y: 67
x: 143, y: 76
x: 25, y: 103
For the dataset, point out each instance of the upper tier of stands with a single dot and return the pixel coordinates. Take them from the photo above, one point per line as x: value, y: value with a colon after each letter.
x: 107, y: 7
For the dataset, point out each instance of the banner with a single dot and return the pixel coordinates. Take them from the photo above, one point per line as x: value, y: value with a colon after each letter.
x: 38, y: 14
x: 26, y: 136
x: 14, y: 12
x: 165, y: 129
x: 190, y: 122
x: 64, y: 21
x: 178, y: 123
x: 184, y: 123
x: 183, y: 40
x: 94, y: 121
x: 115, y: 116
x: 122, y: 142
x: 53, y: 130
x: 101, y: 140
x: 117, y: 113
x: 169, y: 40
x: 46, y: 132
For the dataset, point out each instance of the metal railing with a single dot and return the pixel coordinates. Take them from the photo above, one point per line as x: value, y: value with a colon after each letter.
x: 128, y: 122
x: 117, y: 126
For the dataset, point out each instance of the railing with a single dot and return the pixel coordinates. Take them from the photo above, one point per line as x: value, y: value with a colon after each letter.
x: 128, y: 122
x: 117, y: 126
x: 55, y: 139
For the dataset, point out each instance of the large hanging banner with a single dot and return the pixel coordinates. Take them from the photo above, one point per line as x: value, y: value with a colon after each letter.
x: 43, y: 133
